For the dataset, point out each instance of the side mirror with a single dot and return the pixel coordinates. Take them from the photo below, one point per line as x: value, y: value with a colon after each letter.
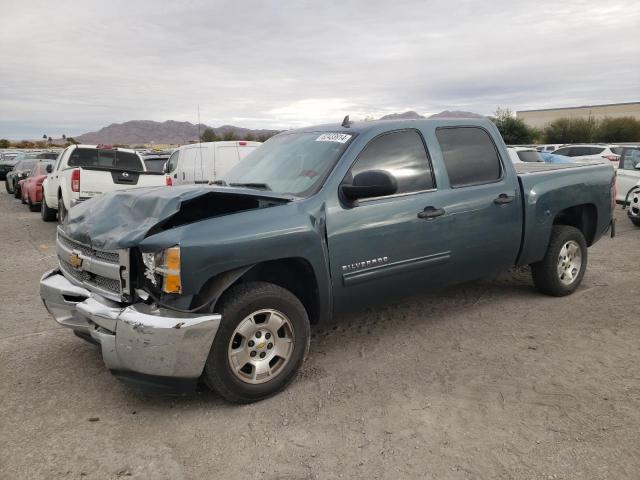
x: 369, y: 184
x: 49, y: 168
x: 637, y: 166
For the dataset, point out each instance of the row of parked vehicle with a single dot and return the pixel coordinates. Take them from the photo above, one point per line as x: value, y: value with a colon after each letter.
x: 52, y: 182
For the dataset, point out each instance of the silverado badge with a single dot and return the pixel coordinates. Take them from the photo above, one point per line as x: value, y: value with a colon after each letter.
x: 75, y: 260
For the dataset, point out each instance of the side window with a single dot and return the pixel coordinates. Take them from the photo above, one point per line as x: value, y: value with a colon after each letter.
x: 401, y: 154
x: 469, y: 155
x: 562, y: 151
x: 595, y: 150
x: 172, y: 163
x: 630, y: 158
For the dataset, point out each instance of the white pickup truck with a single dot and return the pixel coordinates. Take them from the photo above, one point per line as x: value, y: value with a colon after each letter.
x: 84, y: 171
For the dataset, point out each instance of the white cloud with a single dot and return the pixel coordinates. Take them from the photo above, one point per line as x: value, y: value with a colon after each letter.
x: 68, y: 67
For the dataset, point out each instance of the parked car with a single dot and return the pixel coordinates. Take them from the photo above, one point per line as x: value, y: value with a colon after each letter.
x: 86, y: 171
x: 552, y: 158
x: 222, y: 283
x: 590, y: 152
x: 31, y: 187
x: 524, y: 155
x: 23, y: 168
x: 206, y: 162
x: 628, y: 174
x: 6, y: 165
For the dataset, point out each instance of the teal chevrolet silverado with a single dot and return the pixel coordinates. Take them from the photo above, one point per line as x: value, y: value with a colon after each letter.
x: 221, y: 283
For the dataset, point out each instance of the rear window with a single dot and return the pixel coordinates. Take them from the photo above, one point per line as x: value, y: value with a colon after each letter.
x: 108, y: 159
x: 469, y: 155
x: 47, y: 155
x: 617, y: 150
x: 529, y: 156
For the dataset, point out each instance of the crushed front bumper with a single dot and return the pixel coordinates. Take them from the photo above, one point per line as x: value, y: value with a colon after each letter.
x: 137, y: 341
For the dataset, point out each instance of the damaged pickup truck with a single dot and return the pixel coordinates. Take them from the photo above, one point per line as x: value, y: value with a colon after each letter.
x: 221, y: 283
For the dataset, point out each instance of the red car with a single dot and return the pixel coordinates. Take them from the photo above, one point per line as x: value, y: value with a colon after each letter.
x: 31, y: 187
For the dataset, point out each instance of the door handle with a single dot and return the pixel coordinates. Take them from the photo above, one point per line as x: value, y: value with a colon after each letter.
x: 431, y: 212
x: 502, y: 199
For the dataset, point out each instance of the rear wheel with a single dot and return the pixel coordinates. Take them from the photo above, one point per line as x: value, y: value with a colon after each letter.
x: 561, y: 270
x: 48, y: 214
x: 16, y: 190
x: 260, y: 345
x: 635, y: 221
x: 62, y: 211
x: 6, y: 185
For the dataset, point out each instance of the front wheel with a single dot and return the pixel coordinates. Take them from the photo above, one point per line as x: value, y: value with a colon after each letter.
x: 261, y: 343
x: 16, y: 190
x: 6, y: 185
x: 561, y: 270
x: 635, y: 221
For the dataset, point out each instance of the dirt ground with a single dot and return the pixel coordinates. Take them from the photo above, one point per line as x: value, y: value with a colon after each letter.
x: 486, y: 380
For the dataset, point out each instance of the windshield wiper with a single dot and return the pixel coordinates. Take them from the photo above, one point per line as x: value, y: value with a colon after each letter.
x: 258, y: 186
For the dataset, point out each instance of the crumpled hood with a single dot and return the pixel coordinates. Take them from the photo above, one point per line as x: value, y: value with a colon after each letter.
x: 122, y: 219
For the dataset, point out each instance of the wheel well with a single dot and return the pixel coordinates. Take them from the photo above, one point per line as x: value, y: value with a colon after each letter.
x: 583, y: 217
x: 294, y: 274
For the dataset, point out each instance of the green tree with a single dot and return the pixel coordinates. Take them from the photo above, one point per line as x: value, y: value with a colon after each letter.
x: 513, y: 130
x: 209, y: 135
x: 250, y: 137
x: 571, y: 130
x: 4, y: 143
x: 44, y: 137
x: 623, y: 129
x: 49, y: 139
x: 72, y: 141
x: 64, y: 137
x: 230, y: 135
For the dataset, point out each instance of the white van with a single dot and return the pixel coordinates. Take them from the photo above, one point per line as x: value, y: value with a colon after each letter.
x: 205, y: 162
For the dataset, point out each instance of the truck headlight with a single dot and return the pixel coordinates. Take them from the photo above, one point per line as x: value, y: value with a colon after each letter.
x: 164, y: 266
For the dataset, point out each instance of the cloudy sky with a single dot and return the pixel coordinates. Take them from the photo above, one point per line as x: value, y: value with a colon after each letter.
x: 71, y: 67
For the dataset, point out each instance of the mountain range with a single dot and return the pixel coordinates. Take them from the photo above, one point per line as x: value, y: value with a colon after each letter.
x: 141, y: 132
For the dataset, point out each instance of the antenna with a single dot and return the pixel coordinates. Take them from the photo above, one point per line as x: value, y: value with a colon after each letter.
x: 199, y: 140
x: 346, y: 123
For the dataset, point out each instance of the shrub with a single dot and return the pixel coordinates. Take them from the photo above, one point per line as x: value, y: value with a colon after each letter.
x: 570, y: 130
x: 513, y: 130
x: 623, y: 129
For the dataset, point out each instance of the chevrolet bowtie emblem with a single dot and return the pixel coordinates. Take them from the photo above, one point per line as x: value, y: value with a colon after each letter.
x: 75, y: 260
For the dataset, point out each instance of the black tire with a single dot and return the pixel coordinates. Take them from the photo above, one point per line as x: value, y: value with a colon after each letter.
x: 545, y: 273
x: 16, y: 190
x: 6, y: 185
x: 33, y: 207
x: 48, y: 214
x: 62, y: 211
x: 236, y: 304
x: 24, y: 202
x: 635, y: 221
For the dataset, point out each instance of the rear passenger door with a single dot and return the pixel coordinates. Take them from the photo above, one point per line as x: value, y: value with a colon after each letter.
x: 483, y: 201
x: 188, y: 165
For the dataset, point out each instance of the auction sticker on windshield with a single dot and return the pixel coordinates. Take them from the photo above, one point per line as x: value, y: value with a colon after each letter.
x: 334, y: 137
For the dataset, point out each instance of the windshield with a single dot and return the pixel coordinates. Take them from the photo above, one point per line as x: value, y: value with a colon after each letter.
x: 107, y: 159
x: 290, y: 163
x: 529, y: 156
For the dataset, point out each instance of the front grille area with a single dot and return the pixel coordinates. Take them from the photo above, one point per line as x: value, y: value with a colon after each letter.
x: 101, y: 271
x: 111, y: 257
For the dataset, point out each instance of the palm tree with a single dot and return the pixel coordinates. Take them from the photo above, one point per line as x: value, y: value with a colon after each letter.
x: 64, y: 137
x: 44, y: 137
x: 49, y: 140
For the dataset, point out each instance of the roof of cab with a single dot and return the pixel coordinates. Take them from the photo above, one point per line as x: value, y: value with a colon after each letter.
x: 386, y: 125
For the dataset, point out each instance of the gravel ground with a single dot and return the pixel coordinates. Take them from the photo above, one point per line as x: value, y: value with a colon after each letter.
x: 486, y: 380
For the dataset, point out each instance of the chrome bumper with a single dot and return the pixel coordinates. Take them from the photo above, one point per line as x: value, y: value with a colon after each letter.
x: 136, y: 338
